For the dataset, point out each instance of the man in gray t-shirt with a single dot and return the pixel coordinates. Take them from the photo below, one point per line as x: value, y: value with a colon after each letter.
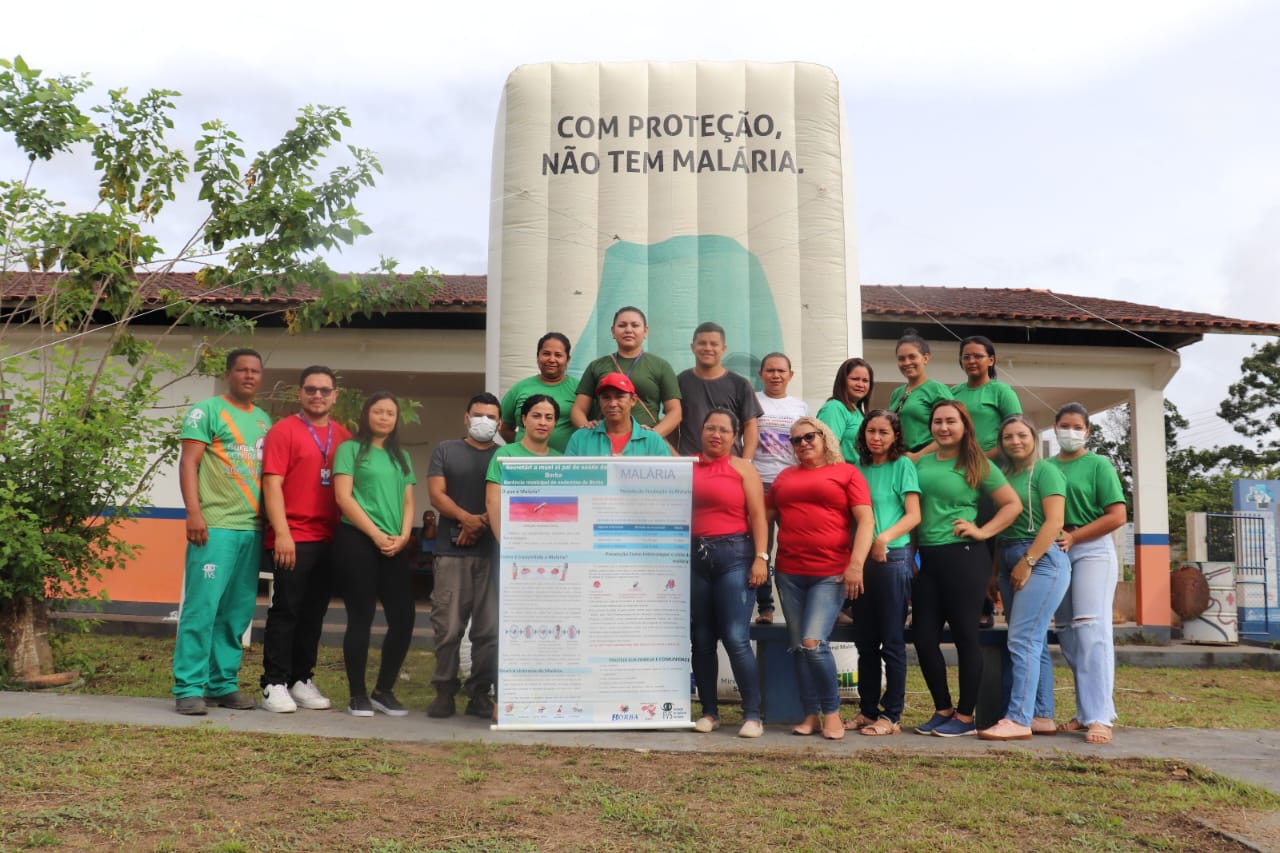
x: 710, y: 385
x: 465, y: 586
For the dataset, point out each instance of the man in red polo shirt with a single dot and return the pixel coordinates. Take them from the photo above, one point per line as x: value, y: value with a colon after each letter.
x: 297, y: 491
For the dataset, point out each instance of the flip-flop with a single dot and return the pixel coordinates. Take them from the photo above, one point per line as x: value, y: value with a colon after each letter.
x: 859, y: 722
x: 1072, y: 725
x: 1099, y: 733
x: 882, y: 726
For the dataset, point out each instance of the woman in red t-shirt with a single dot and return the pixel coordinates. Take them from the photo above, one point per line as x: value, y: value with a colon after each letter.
x: 729, y: 560
x: 825, y: 526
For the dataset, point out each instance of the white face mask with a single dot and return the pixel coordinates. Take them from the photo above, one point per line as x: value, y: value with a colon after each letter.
x: 481, y: 429
x: 1070, y: 440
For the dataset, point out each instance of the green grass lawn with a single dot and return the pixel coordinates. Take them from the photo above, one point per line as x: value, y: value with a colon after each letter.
x: 85, y: 786
x: 81, y: 786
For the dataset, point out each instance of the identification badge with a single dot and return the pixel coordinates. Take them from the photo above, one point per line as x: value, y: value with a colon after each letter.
x: 326, y: 476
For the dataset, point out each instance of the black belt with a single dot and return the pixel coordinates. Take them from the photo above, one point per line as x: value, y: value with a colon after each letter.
x: 727, y: 537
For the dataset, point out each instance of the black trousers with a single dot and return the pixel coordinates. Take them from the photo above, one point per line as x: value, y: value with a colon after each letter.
x: 368, y: 577
x: 299, y: 602
x: 949, y: 588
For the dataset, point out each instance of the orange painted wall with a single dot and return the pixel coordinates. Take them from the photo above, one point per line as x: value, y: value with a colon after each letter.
x: 155, y: 574
x: 1151, y: 576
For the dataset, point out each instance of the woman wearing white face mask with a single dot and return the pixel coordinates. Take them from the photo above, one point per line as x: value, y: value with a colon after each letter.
x: 1095, y: 507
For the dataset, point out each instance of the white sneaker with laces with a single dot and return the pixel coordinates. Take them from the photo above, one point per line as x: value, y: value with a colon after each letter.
x: 276, y: 698
x: 308, y: 696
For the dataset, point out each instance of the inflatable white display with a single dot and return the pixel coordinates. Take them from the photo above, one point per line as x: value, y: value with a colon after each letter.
x: 696, y: 191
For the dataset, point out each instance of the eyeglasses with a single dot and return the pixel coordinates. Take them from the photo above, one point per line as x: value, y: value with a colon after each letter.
x: 807, y: 438
x: 972, y: 357
x: 314, y: 391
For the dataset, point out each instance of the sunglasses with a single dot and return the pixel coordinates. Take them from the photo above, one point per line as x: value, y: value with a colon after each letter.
x: 313, y: 391
x: 807, y: 438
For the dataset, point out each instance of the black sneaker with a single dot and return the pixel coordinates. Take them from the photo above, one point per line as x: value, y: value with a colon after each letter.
x: 192, y: 706
x: 235, y: 700
x: 480, y: 706
x: 360, y: 706
x: 386, y: 702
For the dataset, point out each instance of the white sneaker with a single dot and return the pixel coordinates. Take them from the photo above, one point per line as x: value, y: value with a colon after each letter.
x: 275, y: 698
x: 308, y: 696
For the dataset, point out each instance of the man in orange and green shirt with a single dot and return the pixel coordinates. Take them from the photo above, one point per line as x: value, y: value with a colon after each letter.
x: 220, y: 474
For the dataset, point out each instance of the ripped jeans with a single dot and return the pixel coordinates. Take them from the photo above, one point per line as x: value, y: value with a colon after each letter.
x: 1083, y: 621
x: 809, y: 605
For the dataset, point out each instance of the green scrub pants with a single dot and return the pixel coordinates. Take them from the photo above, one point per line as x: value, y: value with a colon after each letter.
x: 220, y: 590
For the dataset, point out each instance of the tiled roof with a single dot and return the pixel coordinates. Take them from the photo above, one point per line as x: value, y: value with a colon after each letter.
x: 1012, y: 306
x: 456, y: 291
x: 889, y: 303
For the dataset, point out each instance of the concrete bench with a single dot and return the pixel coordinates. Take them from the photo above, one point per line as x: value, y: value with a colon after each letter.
x: 780, y: 695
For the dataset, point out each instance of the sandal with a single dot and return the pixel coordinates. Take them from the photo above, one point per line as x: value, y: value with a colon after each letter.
x: 1072, y: 725
x: 1043, y: 726
x: 832, y: 726
x: 858, y: 722
x: 1099, y: 733
x: 1006, y: 729
x: 882, y: 726
x: 808, y: 726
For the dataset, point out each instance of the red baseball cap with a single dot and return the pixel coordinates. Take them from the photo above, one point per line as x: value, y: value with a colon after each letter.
x: 618, y: 381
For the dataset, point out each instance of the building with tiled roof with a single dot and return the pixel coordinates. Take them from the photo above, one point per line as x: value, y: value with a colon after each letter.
x: 1052, y: 348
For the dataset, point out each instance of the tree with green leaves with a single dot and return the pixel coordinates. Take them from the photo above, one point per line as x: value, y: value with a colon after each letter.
x: 1252, y: 408
x: 83, y: 365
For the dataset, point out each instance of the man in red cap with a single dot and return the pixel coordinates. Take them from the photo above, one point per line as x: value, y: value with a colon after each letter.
x: 617, y: 433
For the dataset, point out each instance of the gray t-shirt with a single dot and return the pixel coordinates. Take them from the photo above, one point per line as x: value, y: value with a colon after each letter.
x: 699, y: 396
x: 463, y: 468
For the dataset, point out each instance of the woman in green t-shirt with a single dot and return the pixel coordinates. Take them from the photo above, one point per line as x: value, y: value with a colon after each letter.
x: 1095, y: 507
x: 988, y: 400
x: 954, y: 567
x: 538, y: 416
x: 1032, y: 578
x: 913, y: 402
x: 373, y: 484
x: 880, y: 611
x: 847, y: 405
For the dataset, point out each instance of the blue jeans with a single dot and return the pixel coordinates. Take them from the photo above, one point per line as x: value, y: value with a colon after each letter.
x: 810, y: 604
x: 879, y: 617
x: 1027, y: 686
x: 1084, y: 629
x: 720, y: 605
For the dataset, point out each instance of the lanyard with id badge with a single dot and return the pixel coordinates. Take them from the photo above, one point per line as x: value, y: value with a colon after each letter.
x: 326, y: 471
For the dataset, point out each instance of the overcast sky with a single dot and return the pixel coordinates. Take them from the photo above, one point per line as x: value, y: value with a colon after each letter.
x: 1117, y: 149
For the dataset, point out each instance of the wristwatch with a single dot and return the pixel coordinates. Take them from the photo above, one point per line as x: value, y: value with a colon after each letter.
x: 762, y: 555
x: 1030, y: 562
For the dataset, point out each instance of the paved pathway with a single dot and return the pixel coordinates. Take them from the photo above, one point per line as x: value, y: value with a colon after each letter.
x: 1250, y: 755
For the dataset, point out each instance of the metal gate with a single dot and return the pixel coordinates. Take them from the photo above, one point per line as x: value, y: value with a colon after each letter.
x: 1241, y: 538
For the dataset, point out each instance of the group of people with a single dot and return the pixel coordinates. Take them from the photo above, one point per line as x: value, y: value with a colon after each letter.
x: 338, y: 512
x: 933, y: 507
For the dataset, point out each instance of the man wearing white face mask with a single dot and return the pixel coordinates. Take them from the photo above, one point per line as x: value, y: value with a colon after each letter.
x: 465, y: 585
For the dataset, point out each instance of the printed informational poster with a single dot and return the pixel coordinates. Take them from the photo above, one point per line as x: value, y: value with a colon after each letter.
x: 594, y: 593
